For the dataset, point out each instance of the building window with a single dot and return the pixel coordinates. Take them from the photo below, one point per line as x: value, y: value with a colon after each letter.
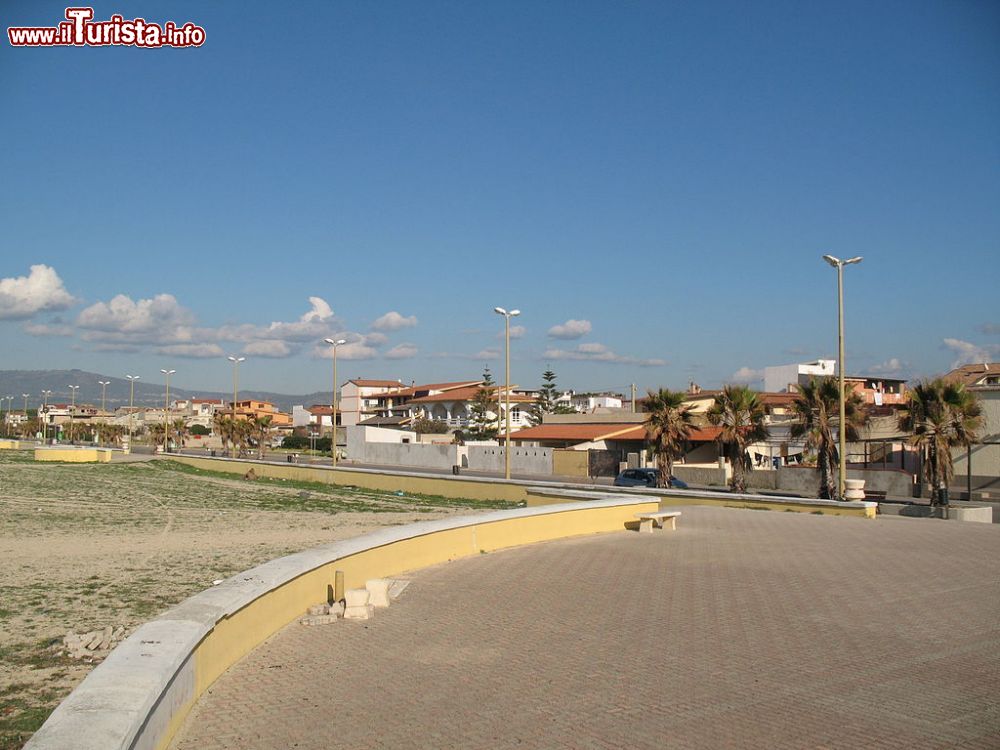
x: 515, y: 414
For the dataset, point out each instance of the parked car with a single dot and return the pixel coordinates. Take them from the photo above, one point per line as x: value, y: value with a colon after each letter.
x: 645, y: 478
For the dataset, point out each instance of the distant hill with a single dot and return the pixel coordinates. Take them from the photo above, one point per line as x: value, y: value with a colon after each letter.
x: 33, y: 382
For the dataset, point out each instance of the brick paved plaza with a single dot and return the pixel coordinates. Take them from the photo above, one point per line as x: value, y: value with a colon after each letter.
x: 741, y: 629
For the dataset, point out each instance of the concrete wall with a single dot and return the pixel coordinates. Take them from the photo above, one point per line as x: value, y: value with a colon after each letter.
x: 536, y: 461
x: 570, y: 463
x: 410, y: 454
x: 985, y: 458
x: 75, y: 455
x: 703, y: 475
x: 799, y: 480
x: 358, y: 440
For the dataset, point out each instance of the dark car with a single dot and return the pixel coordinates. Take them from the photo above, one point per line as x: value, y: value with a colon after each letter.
x: 645, y: 478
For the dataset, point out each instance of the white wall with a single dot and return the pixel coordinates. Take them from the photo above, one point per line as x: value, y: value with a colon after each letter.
x: 523, y: 460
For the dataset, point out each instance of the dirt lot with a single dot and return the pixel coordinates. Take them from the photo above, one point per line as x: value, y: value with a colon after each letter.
x: 85, y: 547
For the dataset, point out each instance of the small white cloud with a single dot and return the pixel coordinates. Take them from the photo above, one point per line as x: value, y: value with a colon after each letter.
x: 268, y: 348
x: 402, y: 351
x: 571, y: 329
x: 490, y: 353
x: 967, y: 353
x: 595, y: 352
x: 46, y: 329
x: 393, y: 321
x: 746, y: 375
x: 892, y: 366
x: 516, y: 332
x: 375, y: 338
x: 41, y: 290
x: 191, y: 351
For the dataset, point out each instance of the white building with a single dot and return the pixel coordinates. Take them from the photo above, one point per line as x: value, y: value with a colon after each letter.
x: 778, y: 379
x: 356, y: 403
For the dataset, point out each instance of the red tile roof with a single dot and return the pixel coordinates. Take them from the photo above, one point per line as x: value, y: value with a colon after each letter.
x: 468, y: 393
x: 410, y: 390
x: 374, y: 383
x: 593, y: 432
x: 972, y: 374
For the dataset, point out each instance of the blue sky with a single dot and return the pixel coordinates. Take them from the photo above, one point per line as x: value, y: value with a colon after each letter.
x: 651, y: 183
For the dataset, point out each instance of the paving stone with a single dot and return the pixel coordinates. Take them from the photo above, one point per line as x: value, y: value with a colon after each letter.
x: 742, y: 629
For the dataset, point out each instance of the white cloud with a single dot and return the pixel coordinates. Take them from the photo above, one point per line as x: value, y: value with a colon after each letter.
x: 490, y: 353
x: 571, y: 329
x: 594, y: 352
x: 160, y: 319
x: 46, y: 329
x: 892, y: 366
x: 267, y: 348
x: 318, y: 322
x: 746, y: 375
x: 402, y: 351
x: 358, y: 346
x: 393, y: 321
x: 990, y: 329
x: 192, y: 351
x: 375, y: 338
x: 39, y: 291
x: 516, y: 332
x: 967, y: 353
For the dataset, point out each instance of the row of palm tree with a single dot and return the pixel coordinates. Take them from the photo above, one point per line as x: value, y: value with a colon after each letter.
x: 243, y: 434
x: 940, y: 416
x: 737, y: 410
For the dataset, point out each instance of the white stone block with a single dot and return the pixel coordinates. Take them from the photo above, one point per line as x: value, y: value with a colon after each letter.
x: 378, y: 591
x: 357, y: 607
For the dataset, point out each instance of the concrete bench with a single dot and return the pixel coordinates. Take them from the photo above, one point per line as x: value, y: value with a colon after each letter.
x: 648, y: 520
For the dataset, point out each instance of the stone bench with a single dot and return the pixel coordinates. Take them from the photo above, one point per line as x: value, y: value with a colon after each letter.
x: 648, y: 520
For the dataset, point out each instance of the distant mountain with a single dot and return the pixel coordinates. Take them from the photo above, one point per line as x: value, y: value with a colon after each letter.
x: 33, y: 382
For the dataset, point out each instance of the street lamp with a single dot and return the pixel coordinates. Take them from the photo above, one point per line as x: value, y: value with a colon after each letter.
x: 333, y: 399
x: 3, y: 423
x: 166, y: 406
x: 45, y: 410
x: 236, y: 379
x: 72, y: 412
x: 104, y: 397
x: 506, y: 316
x: 839, y: 265
x: 131, y: 400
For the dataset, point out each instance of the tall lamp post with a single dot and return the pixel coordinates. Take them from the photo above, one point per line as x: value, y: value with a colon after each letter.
x: 45, y: 410
x: 3, y: 422
x: 236, y: 380
x: 104, y: 399
x: 131, y: 401
x: 72, y: 412
x: 506, y: 317
x: 842, y: 431
x: 166, y: 407
x: 333, y: 399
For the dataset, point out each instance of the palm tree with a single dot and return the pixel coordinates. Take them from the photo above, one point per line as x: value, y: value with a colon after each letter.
x: 740, y: 414
x: 222, y: 426
x: 260, y: 428
x: 817, y: 407
x: 940, y: 416
x: 668, y: 428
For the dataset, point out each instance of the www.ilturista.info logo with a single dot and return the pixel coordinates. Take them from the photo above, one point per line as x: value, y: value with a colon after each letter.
x: 80, y: 30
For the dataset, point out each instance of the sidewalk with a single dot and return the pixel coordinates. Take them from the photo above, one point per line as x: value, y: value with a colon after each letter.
x: 742, y: 629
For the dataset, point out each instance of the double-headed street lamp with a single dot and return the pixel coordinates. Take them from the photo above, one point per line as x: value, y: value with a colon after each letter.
x: 166, y: 406
x: 236, y: 379
x: 842, y: 431
x: 104, y: 393
x: 45, y: 411
x: 333, y: 400
x: 506, y: 316
x: 131, y: 400
x: 72, y: 411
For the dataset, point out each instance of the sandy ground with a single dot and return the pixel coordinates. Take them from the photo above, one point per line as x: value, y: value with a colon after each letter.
x: 90, y: 546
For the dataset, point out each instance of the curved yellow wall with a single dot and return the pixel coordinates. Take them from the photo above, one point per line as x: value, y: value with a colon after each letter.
x: 73, y: 455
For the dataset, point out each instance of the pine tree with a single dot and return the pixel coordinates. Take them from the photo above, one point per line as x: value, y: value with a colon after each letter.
x: 546, y: 401
x: 482, y: 425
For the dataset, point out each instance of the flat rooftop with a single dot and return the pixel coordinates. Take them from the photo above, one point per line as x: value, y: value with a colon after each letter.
x: 741, y: 629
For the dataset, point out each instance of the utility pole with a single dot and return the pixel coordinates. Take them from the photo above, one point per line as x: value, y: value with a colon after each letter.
x: 633, y: 398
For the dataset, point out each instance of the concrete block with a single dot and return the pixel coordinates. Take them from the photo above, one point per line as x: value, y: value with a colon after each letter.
x: 357, y: 606
x: 378, y: 591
